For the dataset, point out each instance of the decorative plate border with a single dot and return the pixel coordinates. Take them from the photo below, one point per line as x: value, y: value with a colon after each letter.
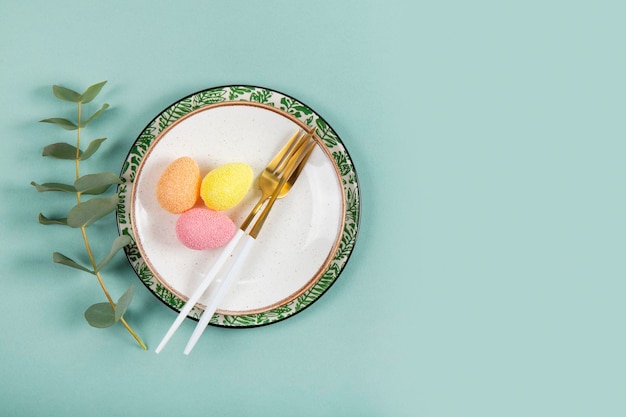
x: 295, y: 109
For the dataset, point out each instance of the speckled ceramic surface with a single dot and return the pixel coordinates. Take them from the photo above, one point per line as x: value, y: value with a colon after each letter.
x: 308, y: 237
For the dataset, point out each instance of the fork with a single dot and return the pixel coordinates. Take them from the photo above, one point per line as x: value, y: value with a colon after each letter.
x: 269, y: 177
x: 296, y: 162
x: 275, y: 182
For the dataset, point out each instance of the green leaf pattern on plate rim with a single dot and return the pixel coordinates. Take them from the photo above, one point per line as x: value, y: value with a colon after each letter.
x: 296, y: 109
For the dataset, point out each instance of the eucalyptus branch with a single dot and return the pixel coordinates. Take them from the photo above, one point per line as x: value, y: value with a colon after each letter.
x: 86, y: 212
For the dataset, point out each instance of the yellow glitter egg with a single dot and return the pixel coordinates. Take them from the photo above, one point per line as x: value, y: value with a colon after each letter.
x: 225, y: 186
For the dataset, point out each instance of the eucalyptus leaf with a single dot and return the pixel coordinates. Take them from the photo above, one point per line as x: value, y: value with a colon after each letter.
x: 59, y: 258
x: 44, y: 220
x: 91, y: 92
x: 91, y: 148
x: 65, y: 94
x: 97, y: 190
x: 95, y: 115
x: 53, y: 186
x: 89, y: 183
x: 61, y: 122
x: 118, y: 244
x: 100, y: 315
x: 60, y: 150
x: 124, y: 302
x: 84, y: 214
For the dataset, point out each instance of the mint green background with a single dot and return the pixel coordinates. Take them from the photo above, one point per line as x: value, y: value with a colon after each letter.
x: 488, y: 279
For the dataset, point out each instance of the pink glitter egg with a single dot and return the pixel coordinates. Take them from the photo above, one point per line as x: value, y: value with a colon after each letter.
x: 203, y: 228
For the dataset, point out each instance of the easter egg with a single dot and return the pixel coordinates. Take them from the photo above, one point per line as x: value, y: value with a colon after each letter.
x: 202, y: 228
x: 179, y: 185
x: 225, y: 186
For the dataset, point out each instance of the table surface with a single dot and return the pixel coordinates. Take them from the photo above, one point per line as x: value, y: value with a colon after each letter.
x: 488, y: 276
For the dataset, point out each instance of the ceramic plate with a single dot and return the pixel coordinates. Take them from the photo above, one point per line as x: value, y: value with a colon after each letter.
x: 308, y: 237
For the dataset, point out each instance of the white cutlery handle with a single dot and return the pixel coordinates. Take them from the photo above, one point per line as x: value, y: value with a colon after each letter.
x: 206, y: 281
x: 218, y: 295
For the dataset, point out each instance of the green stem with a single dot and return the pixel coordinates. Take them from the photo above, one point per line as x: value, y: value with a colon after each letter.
x: 77, y: 159
x: 88, y: 246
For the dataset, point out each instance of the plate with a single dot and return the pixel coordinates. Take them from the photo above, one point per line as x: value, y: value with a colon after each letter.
x: 308, y: 237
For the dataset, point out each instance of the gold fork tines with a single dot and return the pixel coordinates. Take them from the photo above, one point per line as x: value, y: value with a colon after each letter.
x: 270, y: 177
x: 288, y: 178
